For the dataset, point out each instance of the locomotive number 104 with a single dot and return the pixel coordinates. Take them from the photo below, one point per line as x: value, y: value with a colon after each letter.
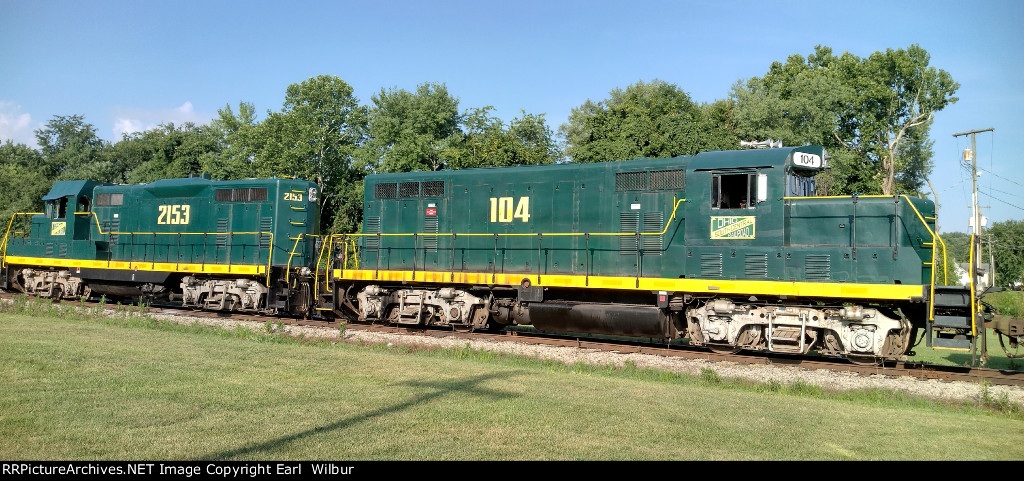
x: 502, y: 211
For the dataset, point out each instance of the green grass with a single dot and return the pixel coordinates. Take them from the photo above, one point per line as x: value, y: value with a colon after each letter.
x: 1009, y: 303
x: 83, y: 386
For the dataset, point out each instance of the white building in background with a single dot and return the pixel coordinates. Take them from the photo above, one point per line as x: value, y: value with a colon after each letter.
x: 963, y: 272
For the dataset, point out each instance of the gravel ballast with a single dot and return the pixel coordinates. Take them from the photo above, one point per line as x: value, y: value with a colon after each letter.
x: 829, y: 380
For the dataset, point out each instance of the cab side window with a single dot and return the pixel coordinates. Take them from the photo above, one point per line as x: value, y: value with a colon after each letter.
x: 733, y: 191
x: 57, y: 208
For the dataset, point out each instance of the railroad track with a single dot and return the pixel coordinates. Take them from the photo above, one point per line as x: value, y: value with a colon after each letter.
x: 914, y: 370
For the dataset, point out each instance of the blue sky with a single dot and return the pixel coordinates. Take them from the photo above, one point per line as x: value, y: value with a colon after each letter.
x: 130, y: 65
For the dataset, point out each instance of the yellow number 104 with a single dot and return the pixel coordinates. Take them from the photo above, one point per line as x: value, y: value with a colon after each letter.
x: 501, y: 209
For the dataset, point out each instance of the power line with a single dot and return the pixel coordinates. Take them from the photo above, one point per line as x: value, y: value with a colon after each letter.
x: 1003, y: 201
x: 1001, y: 177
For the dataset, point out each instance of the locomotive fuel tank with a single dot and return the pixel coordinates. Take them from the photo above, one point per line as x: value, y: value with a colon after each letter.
x: 609, y: 319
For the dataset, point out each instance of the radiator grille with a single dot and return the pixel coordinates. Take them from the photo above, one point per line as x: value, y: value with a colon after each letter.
x: 711, y: 265
x: 756, y: 265
x: 433, y: 188
x: 667, y: 179
x: 222, y: 239
x: 386, y: 191
x: 631, y: 181
x: 653, y: 244
x: 372, y: 227
x: 267, y: 226
x: 409, y: 189
x: 629, y: 222
x: 430, y: 227
x: 244, y: 194
x: 818, y: 267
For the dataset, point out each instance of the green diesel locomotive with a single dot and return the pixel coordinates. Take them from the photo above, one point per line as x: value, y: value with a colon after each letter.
x: 730, y: 249
x: 244, y: 245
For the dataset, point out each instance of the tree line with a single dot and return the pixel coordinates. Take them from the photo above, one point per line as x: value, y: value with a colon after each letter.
x: 873, y: 114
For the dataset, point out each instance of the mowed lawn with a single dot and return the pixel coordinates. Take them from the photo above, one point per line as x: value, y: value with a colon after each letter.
x: 79, y: 389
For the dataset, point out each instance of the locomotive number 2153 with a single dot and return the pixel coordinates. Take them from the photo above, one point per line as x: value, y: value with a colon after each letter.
x: 174, y: 214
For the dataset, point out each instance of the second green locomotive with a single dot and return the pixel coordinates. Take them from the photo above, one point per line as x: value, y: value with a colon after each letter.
x: 730, y: 249
x: 227, y: 245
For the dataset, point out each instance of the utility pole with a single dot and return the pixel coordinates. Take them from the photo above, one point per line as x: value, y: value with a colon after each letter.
x: 976, y: 220
x: 976, y: 217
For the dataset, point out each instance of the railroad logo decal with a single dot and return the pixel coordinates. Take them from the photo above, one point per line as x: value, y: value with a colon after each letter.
x: 741, y: 227
x: 58, y: 228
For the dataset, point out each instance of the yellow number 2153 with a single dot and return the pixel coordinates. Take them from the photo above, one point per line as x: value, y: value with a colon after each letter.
x: 173, y: 214
x: 502, y: 211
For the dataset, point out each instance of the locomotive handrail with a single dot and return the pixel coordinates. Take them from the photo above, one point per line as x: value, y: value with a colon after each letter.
x: 675, y: 206
x: 945, y: 279
x: 522, y: 234
x: 99, y: 229
x: 974, y: 282
x: 288, y: 265
x: 327, y: 245
x: 3, y: 245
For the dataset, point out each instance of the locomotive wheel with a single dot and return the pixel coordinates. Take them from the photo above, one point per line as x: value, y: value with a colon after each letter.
x: 1011, y: 345
x: 393, y: 314
x: 723, y: 348
x: 865, y: 360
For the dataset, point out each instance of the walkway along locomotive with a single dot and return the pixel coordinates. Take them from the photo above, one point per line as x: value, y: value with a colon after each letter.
x: 729, y: 249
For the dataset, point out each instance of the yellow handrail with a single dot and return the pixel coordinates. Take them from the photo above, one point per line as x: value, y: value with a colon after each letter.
x: 3, y: 244
x: 945, y: 279
x: 525, y: 234
x: 99, y: 229
x: 973, y: 282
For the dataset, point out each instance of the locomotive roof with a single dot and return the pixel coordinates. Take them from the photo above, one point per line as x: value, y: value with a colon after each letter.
x: 71, y: 187
x: 718, y: 159
x: 187, y: 182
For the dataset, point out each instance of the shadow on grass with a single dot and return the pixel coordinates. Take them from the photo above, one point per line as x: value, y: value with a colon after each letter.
x: 440, y: 388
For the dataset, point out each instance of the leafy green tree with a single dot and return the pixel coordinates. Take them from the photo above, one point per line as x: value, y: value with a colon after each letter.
x: 413, y: 131
x: 716, y: 129
x: 957, y: 252
x: 872, y: 114
x: 655, y: 119
x: 1007, y: 244
x: 71, y: 150
x: 315, y: 136
x: 167, y: 151
x: 798, y: 102
x: 237, y: 135
x: 898, y: 95
x: 529, y: 141
x: 479, y: 143
x: 22, y: 181
x: 484, y: 141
